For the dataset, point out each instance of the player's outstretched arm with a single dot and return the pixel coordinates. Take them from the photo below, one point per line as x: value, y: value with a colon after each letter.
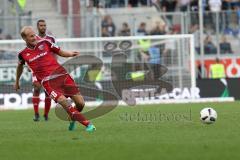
x: 18, y: 75
x: 68, y: 53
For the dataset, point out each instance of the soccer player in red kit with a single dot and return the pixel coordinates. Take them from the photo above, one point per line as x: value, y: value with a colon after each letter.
x: 42, y: 27
x: 38, y: 55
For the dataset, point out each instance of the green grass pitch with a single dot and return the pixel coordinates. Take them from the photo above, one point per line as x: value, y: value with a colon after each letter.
x: 151, y: 132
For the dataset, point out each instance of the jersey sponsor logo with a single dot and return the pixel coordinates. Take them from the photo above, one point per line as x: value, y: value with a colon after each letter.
x: 28, y: 54
x: 38, y: 56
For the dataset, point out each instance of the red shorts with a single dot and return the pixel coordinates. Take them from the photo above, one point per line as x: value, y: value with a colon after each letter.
x: 62, y: 85
x: 34, y: 79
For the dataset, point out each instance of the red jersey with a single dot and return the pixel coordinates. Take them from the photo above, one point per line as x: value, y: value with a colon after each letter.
x: 47, y: 37
x: 41, y: 60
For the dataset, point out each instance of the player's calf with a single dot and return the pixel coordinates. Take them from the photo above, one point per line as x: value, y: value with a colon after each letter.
x: 73, y: 112
x: 36, y: 101
x: 47, y: 106
x: 79, y: 102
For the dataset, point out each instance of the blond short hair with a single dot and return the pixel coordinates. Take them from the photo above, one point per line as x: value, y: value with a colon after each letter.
x: 23, y: 31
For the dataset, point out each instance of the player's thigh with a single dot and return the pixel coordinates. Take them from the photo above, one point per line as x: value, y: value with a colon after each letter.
x: 35, y: 81
x: 37, y: 85
x: 36, y: 88
x: 62, y: 100
x: 70, y: 88
x: 53, y: 89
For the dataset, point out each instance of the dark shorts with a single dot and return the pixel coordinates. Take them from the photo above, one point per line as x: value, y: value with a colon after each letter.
x: 62, y: 85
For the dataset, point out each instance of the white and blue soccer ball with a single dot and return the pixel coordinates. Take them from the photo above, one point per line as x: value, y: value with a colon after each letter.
x: 208, y: 115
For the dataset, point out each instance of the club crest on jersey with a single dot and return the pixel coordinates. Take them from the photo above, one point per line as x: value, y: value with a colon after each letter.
x: 41, y: 47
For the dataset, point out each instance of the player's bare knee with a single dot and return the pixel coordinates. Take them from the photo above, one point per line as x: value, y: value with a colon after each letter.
x: 80, y: 105
x: 37, y: 85
x: 36, y: 91
x: 79, y: 102
x: 63, y: 101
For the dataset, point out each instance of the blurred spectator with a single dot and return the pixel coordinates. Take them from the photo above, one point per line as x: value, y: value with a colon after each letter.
x: 209, y: 47
x: 226, y: 5
x: 183, y: 4
x: 168, y: 6
x: 8, y: 36
x: 114, y: 3
x: 142, y: 29
x: 225, y: 46
x: 234, y: 17
x: 217, y: 70
x: 237, y: 10
x: 156, y: 3
x: 226, y: 15
x: 107, y: 23
x: 105, y: 20
x: 125, y: 31
x: 167, y: 50
x: 215, y: 5
x: 144, y: 45
x: 199, y: 72
x: 143, y: 2
x: 93, y: 3
x: 159, y: 29
x: 134, y: 3
x: 194, y: 5
x: 105, y: 32
x: 234, y: 3
x: 195, y: 31
x: 21, y: 4
x: 176, y: 29
x: 194, y: 12
x: 1, y: 34
x: 154, y: 61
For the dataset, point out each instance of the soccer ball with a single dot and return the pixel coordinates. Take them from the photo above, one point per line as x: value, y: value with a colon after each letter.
x: 208, y: 115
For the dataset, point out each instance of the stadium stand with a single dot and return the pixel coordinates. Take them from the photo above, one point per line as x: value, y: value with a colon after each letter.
x: 96, y: 18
